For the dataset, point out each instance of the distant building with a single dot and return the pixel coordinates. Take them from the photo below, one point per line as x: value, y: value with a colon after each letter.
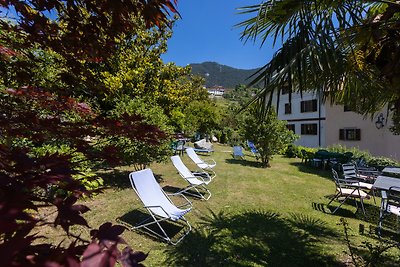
x: 322, y: 124
x: 216, y: 91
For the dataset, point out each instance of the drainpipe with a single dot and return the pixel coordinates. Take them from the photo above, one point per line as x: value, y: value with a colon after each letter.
x: 319, y: 117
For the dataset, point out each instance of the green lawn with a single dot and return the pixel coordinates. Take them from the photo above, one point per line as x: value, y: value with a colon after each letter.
x: 255, y: 217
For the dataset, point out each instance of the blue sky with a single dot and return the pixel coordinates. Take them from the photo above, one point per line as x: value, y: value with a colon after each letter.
x: 206, y: 32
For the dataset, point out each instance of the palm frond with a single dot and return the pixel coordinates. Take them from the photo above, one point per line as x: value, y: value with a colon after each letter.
x: 321, y: 50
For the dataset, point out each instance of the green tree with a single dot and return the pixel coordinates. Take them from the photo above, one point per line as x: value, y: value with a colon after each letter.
x: 269, y: 134
x: 350, y: 50
x: 141, y: 153
x: 201, y: 117
x: 136, y: 70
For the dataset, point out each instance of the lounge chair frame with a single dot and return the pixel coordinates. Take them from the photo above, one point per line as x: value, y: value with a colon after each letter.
x: 253, y: 149
x: 350, y: 173
x: 197, y: 180
x: 348, y: 189
x: 390, y: 205
x: 237, y: 152
x: 202, y: 164
x: 157, y: 219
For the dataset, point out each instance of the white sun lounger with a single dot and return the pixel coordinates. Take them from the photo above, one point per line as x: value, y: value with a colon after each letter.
x: 196, y: 180
x: 158, y: 204
x: 203, y: 165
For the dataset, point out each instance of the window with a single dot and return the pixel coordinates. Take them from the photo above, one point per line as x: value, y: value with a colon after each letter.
x: 288, y: 108
x: 309, y: 105
x: 350, y: 134
x: 291, y: 127
x: 309, y: 129
x: 346, y: 108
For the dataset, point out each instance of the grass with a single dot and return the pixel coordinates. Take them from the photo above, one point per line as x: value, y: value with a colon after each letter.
x: 255, y: 217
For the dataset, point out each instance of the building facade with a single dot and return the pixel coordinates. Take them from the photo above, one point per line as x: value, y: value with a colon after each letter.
x: 321, y: 124
x: 216, y: 91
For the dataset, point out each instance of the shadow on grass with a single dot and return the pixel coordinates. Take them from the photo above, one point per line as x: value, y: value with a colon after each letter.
x: 244, y: 162
x: 312, y: 170
x: 120, y: 179
x: 254, y: 238
x: 132, y: 218
x: 371, y: 210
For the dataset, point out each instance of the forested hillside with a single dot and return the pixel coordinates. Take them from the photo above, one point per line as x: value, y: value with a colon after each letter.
x: 217, y: 74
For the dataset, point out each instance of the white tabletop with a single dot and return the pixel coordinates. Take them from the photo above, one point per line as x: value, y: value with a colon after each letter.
x: 385, y: 182
x: 395, y: 170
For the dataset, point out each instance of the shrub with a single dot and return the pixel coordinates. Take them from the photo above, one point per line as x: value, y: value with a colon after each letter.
x: 269, y: 134
x: 377, y: 162
x: 85, y: 174
x: 307, y: 149
x: 357, y: 153
x: 381, y: 162
x: 292, y: 151
x: 140, y: 153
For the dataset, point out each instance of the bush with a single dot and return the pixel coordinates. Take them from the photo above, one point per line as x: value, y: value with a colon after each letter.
x: 381, y: 162
x: 377, y: 162
x: 269, y: 134
x: 140, y: 153
x: 307, y: 149
x: 83, y: 167
x: 292, y: 151
x: 357, y: 153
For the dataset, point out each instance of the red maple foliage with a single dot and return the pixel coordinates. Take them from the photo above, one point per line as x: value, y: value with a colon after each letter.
x: 40, y: 115
x: 25, y: 180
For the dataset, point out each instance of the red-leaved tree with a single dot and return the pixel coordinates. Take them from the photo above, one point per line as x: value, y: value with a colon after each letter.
x: 31, y: 115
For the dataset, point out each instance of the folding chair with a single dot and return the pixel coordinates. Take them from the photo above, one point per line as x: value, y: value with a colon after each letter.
x: 203, y: 165
x: 390, y: 205
x: 238, y: 152
x: 348, y: 189
x: 196, y: 180
x: 350, y: 172
x: 253, y: 149
x: 158, y: 204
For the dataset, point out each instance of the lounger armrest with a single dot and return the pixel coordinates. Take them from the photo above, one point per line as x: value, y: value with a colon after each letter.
x: 352, y: 183
x: 188, y: 202
x: 349, y: 180
x: 200, y: 178
x: 201, y: 173
x: 213, y: 174
x: 209, y: 160
x: 348, y: 177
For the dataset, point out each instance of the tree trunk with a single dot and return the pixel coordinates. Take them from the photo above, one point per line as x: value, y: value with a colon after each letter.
x: 265, y: 162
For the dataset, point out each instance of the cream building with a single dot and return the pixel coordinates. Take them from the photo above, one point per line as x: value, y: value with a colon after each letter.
x: 322, y: 124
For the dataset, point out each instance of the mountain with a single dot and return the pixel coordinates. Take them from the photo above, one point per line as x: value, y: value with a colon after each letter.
x: 217, y: 74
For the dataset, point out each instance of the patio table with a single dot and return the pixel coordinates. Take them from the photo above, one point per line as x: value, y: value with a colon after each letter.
x: 385, y: 182
x: 392, y: 170
x: 329, y: 157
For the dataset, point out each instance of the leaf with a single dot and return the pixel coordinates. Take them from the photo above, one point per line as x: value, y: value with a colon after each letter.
x: 130, y: 258
x: 109, y: 234
x: 93, y: 256
x: 69, y: 214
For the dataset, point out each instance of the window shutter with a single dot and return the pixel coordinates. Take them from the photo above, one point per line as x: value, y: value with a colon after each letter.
x: 358, y: 134
x: 314, y: 105
x: 341, y: 134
